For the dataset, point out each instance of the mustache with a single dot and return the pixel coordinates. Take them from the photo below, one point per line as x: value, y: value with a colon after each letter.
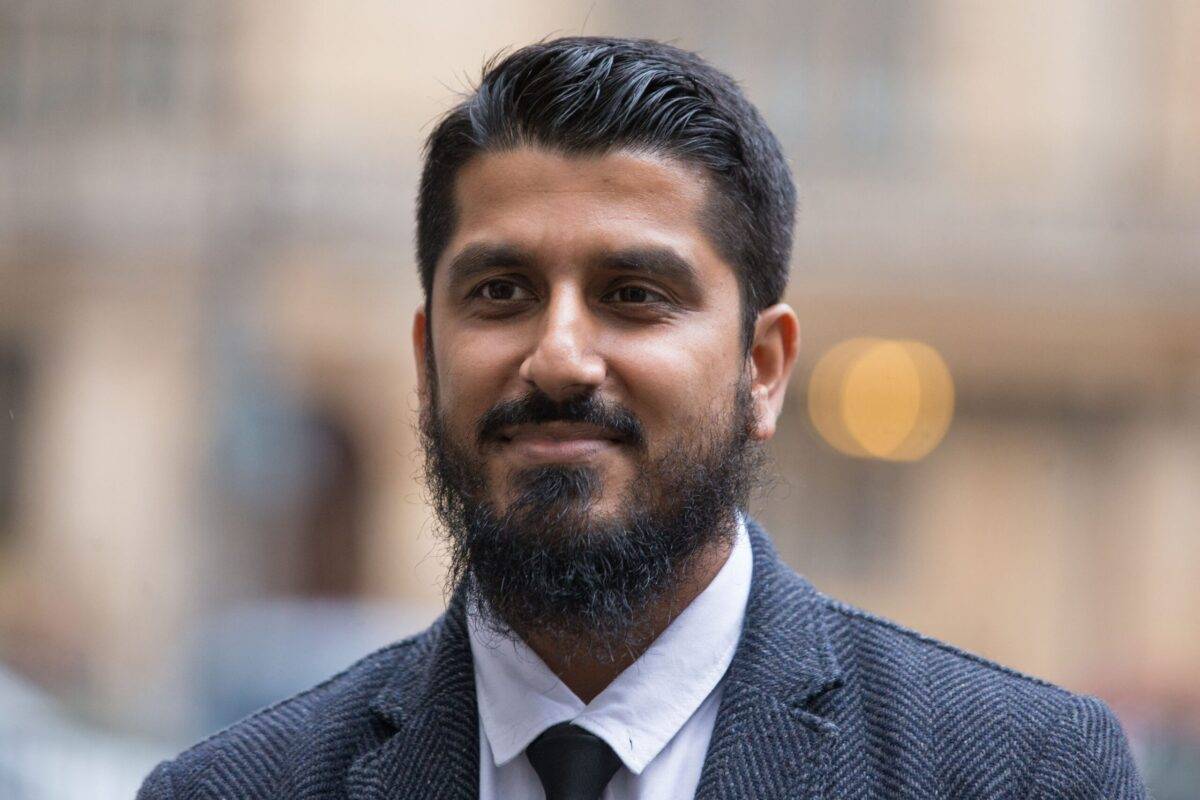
x: 538, y: 407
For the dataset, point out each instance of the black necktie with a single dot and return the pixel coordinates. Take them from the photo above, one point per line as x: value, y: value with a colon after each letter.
x: 573, y: 764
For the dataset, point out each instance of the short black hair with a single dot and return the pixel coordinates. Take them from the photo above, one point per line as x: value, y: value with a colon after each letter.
x: 585, y: 95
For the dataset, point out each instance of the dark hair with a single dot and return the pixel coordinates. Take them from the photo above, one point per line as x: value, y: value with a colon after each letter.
x: 596, y: 94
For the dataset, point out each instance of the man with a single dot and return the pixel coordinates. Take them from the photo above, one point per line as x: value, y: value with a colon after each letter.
x: 603, y: 234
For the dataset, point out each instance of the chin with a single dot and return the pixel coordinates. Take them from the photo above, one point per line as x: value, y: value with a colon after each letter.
x: 582, y: 486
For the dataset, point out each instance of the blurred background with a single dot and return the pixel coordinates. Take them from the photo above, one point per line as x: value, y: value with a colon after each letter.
x: 209, y: 492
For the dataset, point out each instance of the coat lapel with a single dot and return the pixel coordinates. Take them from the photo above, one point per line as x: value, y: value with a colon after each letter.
x: 768, y: 742
x: 430, y: 712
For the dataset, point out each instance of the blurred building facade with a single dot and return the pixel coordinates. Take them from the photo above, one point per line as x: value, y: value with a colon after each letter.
x: 207, y: 278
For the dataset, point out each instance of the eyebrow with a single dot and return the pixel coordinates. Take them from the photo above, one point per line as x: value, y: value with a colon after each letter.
x: 660, y: 262
x: 479, y: 258
x: 656, y: 262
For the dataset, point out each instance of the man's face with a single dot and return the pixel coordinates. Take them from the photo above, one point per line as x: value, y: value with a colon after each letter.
x: 574, y: 276
x: 588, y: 410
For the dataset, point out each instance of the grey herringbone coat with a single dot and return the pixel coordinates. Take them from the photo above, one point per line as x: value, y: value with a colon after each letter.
x: 821, y: 701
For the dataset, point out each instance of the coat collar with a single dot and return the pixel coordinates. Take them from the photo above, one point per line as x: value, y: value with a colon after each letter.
x: 767, y: 741
x: 785, y: 649
x: 431, y: 721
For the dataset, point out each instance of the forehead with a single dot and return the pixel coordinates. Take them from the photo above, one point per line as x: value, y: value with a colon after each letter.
x: 541, y: 200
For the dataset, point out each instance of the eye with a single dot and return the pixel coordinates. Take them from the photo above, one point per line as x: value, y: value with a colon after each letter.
x: 500, y: 291
x: 636, y: 295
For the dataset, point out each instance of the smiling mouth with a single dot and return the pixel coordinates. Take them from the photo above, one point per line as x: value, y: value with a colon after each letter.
x: 554, y: 441
x: 558, y: 432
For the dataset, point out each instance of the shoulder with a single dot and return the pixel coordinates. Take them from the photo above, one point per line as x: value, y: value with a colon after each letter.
x: 979, y: 723
x: 873, y: 644
x: 332, y: 717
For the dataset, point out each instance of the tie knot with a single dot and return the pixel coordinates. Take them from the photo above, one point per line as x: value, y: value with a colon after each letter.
x: 572, y: 763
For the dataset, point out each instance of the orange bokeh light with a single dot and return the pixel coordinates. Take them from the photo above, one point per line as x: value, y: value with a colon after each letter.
x: 881, y: 398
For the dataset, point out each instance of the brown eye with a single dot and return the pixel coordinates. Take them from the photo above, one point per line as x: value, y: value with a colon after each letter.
x: 501, y: 291
x: 636, y: 295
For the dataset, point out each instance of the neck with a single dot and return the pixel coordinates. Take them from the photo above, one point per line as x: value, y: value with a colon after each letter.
x: 587, y: 675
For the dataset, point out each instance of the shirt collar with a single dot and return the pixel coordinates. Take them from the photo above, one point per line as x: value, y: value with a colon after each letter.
x: 646, y: 705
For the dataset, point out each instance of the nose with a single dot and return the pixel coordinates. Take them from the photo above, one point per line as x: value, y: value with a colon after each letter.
x: 563, y: 362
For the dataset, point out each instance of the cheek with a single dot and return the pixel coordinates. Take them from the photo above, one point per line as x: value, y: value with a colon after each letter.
x: 472, y: 374
x: 673, y: 386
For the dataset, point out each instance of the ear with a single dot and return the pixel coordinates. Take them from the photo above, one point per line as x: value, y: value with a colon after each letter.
x: 772, y: 357
x: 420, y: 329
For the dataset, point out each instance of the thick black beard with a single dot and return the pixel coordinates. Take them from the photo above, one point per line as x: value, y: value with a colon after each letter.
x: 544, y: 566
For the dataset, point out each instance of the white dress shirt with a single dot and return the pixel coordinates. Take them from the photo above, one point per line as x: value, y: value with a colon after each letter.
x: 657, y: 715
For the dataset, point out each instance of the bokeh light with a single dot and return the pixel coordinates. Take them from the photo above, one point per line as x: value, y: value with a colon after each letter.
x: 881, y: 398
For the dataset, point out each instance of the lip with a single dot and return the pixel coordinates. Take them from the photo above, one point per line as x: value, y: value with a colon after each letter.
x: 556, y: 441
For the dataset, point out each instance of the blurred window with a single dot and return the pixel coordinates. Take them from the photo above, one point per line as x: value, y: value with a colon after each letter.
x: 10, y: 69
x: 840, y: 82
x: 14, y: 379
x: 147, y: 71
x: 331, y: 520
x: 66, y: 66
